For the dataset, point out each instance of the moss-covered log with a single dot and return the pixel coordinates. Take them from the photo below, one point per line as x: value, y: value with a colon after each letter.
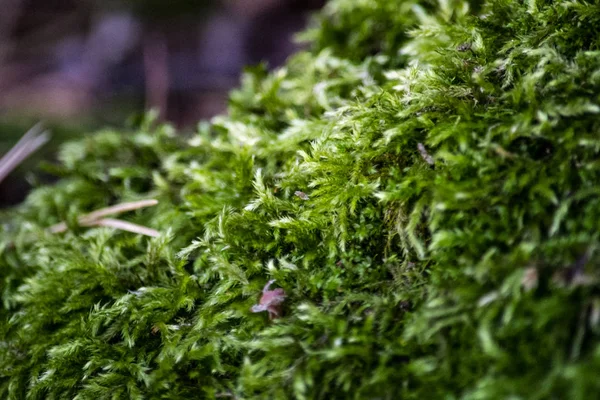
x: 423, y: 184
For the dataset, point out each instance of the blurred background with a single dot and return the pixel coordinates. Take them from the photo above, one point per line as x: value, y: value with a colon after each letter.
x: 82, y: 64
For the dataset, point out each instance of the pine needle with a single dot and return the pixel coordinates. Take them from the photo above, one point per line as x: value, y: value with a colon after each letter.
x: 31, y: 141
x: 95, y: 218
x: 124, y: 226
x: 119, y: 209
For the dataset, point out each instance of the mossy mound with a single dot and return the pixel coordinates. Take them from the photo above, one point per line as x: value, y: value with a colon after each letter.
x: 424, y: 184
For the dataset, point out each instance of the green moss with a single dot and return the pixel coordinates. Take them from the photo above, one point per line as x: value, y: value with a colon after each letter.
x: 423, y: 184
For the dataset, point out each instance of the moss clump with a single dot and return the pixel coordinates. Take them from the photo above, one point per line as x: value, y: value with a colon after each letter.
x: 423, y: 184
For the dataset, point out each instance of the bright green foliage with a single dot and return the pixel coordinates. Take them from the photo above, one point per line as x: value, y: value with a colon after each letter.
x: 424, y: 184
